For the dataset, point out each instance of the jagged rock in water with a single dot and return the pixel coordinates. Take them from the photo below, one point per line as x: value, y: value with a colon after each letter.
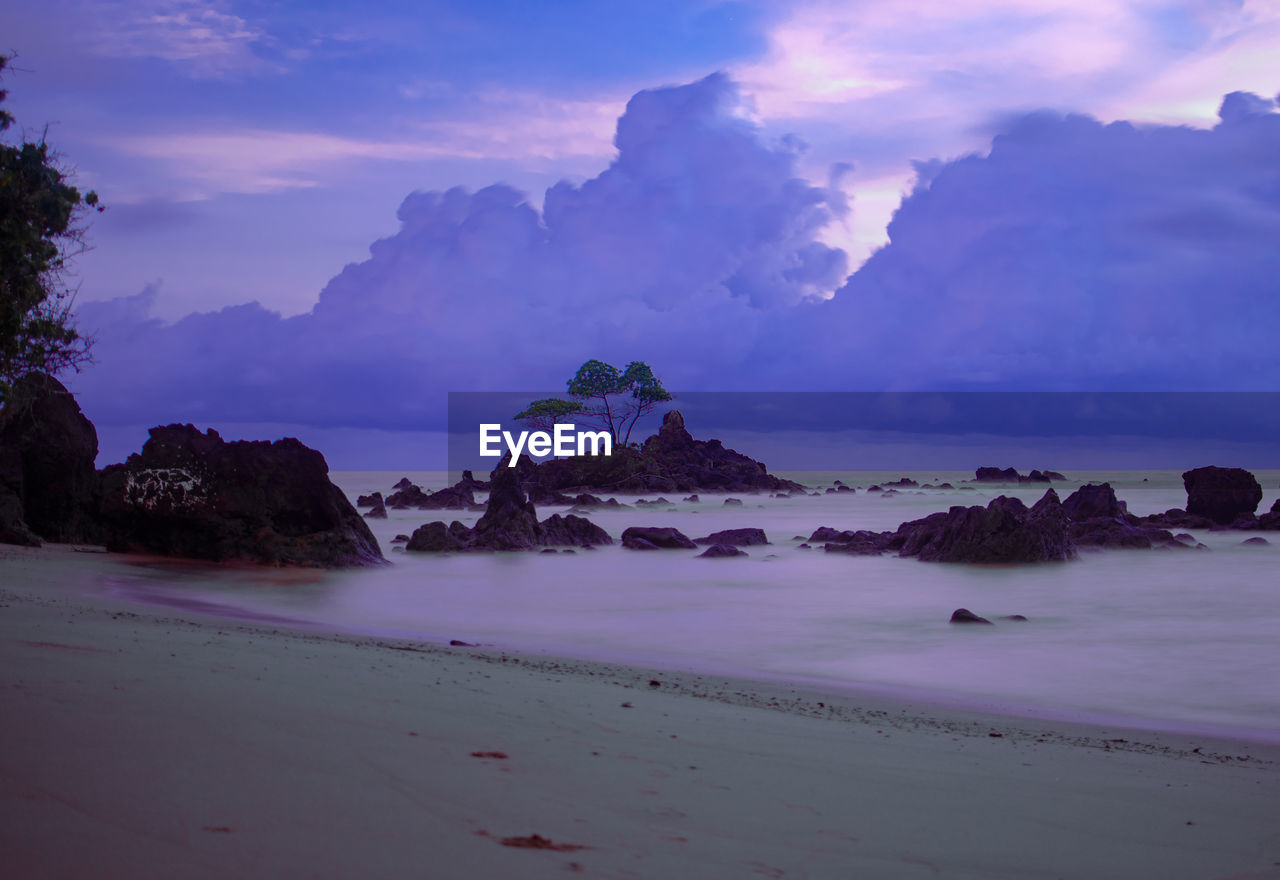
x: 370, y: 500
x: 510, y: 522
x: 1004, y: 531
x: 1092, y: 501
x: 195, y: 495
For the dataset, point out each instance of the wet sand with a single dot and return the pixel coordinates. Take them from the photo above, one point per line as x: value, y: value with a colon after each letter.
x: 166, y: 742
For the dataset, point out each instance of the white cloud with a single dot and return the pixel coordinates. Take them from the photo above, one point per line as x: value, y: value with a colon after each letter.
x: 202, y: 38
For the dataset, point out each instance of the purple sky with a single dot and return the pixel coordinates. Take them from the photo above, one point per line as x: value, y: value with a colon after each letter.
x: 322, y: 217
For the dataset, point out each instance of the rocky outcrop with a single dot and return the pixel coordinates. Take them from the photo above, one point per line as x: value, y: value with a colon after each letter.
x: 369, y: 500
x: 378, y: 510
x: 669, y: 461
x: 195, y: 495
x: 652, y: 538
x: 1093, y: 501
x: 510, y: 522
x: 748, y: 537
x: 1010, y: 475
x: 1003, y: 531
x: 1221, y: 494
x: 47, y: 452
x: 412, y: 497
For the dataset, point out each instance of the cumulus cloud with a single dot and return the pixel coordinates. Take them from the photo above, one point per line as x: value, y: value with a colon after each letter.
x: 1078, y: 254
x: 678, y: 253
x: 1075, y: 255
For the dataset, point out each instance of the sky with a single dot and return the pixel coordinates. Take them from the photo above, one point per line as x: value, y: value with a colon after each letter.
x: 321, y: 217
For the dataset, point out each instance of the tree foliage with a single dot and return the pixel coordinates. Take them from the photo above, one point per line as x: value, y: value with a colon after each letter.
x: 544, y: 414
x: 39, y: 234
x: 617, y: 398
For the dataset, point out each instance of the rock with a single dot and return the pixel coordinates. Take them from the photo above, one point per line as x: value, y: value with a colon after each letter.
x: 510, y: 522
x: 1092, y: 501
x: 1255, y: 542
x: 720, y: 551
x: 1010, y: 475
x: 1175, y: 518
x: 1004, y: 531
x: 995, y: 475
x: 451, y: 498
x: 378, y: 511
x: 573, y: 531
x: 1221, y: 494
x: 469, y: 482
x: 669, y: 461
x: 400, y: 539
x: 692, y: 499
x: 436, y: 537
x: 861, y: 543
x: 730, y: 502
x: 49, y: 447
x: 652, y: 538
x: 1016, y: 618
x: 369, y: 500
x: 735, y: 538
x: 194, y: 495
x: 903, y: 483
x: 843, y: 488
x: 405, y: 483
x: 964, y: 615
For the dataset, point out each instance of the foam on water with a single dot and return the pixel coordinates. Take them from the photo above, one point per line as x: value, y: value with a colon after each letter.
x: 1167, y: 636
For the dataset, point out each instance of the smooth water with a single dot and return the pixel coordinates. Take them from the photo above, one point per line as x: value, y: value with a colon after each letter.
x: 1164, y: 636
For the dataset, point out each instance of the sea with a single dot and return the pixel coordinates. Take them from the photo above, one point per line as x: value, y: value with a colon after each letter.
x: 1185, y: 639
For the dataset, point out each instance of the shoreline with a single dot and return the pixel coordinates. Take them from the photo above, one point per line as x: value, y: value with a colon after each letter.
x: 160, y: 743
x: 887, y: 697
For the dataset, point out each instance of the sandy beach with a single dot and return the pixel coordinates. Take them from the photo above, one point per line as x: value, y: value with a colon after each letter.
x: 166, y: 742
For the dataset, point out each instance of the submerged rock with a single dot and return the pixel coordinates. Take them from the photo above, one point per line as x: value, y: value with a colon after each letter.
x: 653, y: 538
x: 721, y: 551
x: 964, y: 615
x: 747, y: 537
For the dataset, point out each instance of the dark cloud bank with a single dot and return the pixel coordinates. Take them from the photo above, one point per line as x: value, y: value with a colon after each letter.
x: 1075, y: 255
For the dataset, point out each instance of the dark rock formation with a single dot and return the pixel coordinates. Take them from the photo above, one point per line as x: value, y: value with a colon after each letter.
x: 733, y: 501
x: 1255, y: 542
x: 510, y: 522
x: 720, y: 551
x: 1221, y: 494
x: 735, y: 538
x: 47, y: 452
x: 903, y: 483
x: 1092, y: 501
x: 652, y: 538
x: 1004, y: 531
x: 369, y: 500
x: 458, y: 497
x: 192, y: 494
x: 404, y: 483
x: 1010, y: 475
x: 1016, y: 618
x: 669, y: 461
x: 378, y: 511
x: 1175, y: 518
x: 964, y: 615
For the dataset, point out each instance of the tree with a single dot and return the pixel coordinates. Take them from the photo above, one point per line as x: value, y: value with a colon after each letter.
x: 40, y: 233
x: 544, y: 414
x: 617, y: 398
